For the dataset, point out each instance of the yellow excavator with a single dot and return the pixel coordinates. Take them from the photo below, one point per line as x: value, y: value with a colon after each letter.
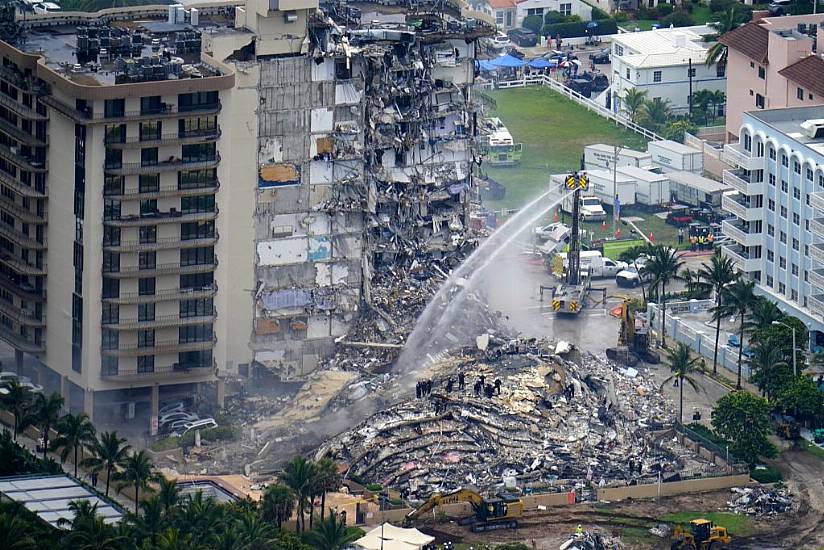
x: 701, y: 535
x: 634, y: 337
x: 499, y: 512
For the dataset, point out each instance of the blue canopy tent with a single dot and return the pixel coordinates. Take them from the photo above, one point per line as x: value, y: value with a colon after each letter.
x: 507, y: 62
x: 541, y: 63
x: 486, y: 65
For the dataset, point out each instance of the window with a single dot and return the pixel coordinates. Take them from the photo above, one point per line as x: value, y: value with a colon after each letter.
x: 111, y: 236
x: 782, y: 237
x: 148, y: 157
x: 195, y: 359
x: 795, y: 244
x: 771, y: 179
x: 782, y: 288
x: 203, y: 125
x: 807, y: 225
x: 783, y: 211
x: 796, y: 218
x: 785, y: 160
x: 150, y: 131
x: 799, y: 94
x: 805, y: 276
x: 111, y: 287
x: 197, y: 281
x: 109, y: 339
x: 772, y: 153
x: 771, y: 230
x: 113, y: 185
x: 111, y: 209
x: 195, y: 333
x: 197, y: 203
x: 197, y: 230
x: 566, y: 9
x: 784, y: 186
x: 535, y: 11
x: 821, y: 180
x: 199, y: 152
x: 619, y: 49
x: 147, y: 260
x: 197, y: 256
x: 149, y: 183
x: 111, y: 262
x: 146, y: 286
x: 151, y: 105
x: 656, y: 76
x: 114, y: 108
x: 209, y: 100
x: 148, y: 234
x: 196, y: 308
x: 148, y: 207
x: 110, y: 313
x: 794, y: 294
x: 807, y: 198
x: 146, y: 338
x: 145, y: 363
x: 196, y: 179
x: 115, y: 134
x: 762, y: 72
x: 794, y: 269
x: 114, y: 158
x: 770, y: 281
x: 782, y: 262
x: 109, y: 366
x: 796, y: 167
x: 759, y: 101
x: 499, y: 20
x: 809, y: 174
x: 145, y: 312
x: 627, y: 73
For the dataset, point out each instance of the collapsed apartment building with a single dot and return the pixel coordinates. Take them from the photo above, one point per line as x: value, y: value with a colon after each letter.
x: 365, y: 130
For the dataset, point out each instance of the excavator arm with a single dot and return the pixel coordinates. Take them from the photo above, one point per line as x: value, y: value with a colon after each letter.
x: 460, y: 495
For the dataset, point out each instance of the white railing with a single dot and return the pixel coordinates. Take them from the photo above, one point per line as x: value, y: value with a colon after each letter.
x: 569, y: 93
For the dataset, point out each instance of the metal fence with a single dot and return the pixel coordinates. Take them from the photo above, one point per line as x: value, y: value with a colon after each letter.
x: 724, y: 452
x: 569, y: 93
x: 700, y: 341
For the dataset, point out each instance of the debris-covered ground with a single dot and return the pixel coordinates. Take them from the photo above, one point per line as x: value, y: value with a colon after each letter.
x: 550, y: 420
x: 761, y: 501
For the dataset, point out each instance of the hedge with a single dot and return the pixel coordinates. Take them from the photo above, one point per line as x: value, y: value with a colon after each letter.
x: 574, y: 30
x: 766, y: 475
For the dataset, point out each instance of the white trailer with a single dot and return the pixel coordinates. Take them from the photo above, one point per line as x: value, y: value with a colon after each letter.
x: 652, y: 187
x: 672, y: 156
x: 603, y: 186
x: 601, y: 155
x: 694, y: 190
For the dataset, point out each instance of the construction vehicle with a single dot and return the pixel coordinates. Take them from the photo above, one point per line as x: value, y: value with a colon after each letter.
x: 702, y: 535
x: 500, y: 512
x: 571, y: 296
x: 633, y: 338
x: 788, y: 430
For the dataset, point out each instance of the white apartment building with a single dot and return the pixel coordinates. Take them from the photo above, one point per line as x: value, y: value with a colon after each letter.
x: 510, y: 14
x: 778, y: 211
x: 663, y: 62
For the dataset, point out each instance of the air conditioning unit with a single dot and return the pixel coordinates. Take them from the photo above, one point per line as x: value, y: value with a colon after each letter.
x: 291, y: 16
x: 813, y: 129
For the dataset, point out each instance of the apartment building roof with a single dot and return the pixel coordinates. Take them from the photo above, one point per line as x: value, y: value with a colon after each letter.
x: 788, y: 122
x: 808, y: 72
x: 663, y: 47
x: 751, y: 40
x: 501, y: 4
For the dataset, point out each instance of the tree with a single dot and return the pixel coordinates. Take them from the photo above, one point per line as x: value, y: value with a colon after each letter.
x: 331, y: 534
x: 254, y: 531
x: 781, y: 336
x: 533, y: 23
x: 152, y: 521
x: 168, y: 493
x: 696, y: 288
x: 16, y: 533
x: 328, y: 480
x: 633, y: 100
x: 718, y: 274
x: 171, y: 539
x: 717, y: 98
x: 701, y: 100
x: 45, y: 413
x: 137, y: 472
x: 664, y: 266
x: 655, y: 114
x: 278, y: 504
x: 682, y: 367
x: 738, y: 299
x: 16, y: 401
x: 677, y: 130
x: 744, y: 420
x: 770, y: 372
x: 762, y: 314
x: 108, y: 453
x: 75, y: 431
x: 299, y: 476
x: 730, y: 19
x: 89, y: 531
x: 802, y: 398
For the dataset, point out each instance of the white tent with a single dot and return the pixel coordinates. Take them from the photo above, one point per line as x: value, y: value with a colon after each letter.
x: 389, y: 537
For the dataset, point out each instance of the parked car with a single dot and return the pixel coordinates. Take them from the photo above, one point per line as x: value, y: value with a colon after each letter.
x: 523, y: 37
x: 779, y: 7
x: 580, y: 85
x: 600, y: 57
x: 555, y: 231
x: 632, y: 276
x: 180, y: 415
x: 500, y: 41
x: 172, y: 407
x: 679, y: 216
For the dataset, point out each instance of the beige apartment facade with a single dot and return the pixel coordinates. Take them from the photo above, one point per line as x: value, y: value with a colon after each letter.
x: 758, y: 54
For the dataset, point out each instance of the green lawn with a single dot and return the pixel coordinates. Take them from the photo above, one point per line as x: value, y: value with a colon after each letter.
x: 814, y: 449
x: 736, y: 524
x: 554, y: 131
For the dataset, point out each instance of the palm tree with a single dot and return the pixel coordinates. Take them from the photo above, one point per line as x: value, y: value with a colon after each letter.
x: 718, y: 274
x: 696, y: 288
x: 718, y: 98
x: 329, y: 480
x: 16, y: 533
x: 299, y: 476
x: 762, y: 314
x: 45, y: 413
x: 89, y: 531
x: 633, y: 101
x: 108, y: 452
x: 254, y: 531
x: 17, y: 401
x: 770, y: 371
x: 701, y: 100
x: 75, y: 431
x: 664, y: 266
x: 278, y: 504
x: 730, y: 19
x: 149, y: 524
x: 331, y: 534
x: 738, y: 299
x: 137, y: 472
x: 171, y: 539
x: 655, y: 114
x: 168, y: 493
x: 682, y: 366
x: 199, y: 515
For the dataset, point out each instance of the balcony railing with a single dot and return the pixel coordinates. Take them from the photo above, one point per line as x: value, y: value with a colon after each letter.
x: 160, y: 244
x: 18, y: 342
x: 134, y: 193
x: 20, y: 135
x: 735, y: 206
x: 172, y: 216
x: 25, y: 241
x: 816, y: 277
x: 20, y: 109
x: 25, y: 162
x: 18, y: 265
x: 817, y: 201
x: 734, y: 153
x: 20, y: 187
x: 160, y: 269
x: 169, y: 138
x: 742, y: 182
x: 159, y: 321
x: 24, y: 292
x: 816, y: 304
x: 180, y: 370
x: 166, y: 112
x: 741, y: 258
x: 134, y: 168
x: 739, y: 234
x: 23, y: 214
x: 164, y: 295
x: 817, y: 253
x: 169, y: 346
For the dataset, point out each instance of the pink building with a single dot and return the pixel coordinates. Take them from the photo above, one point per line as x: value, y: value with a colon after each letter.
x: 772, y: 64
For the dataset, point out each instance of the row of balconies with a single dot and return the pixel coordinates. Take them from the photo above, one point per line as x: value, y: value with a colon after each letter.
x: 23, y: 214
x: 740, y: 256
x: 737, y: 205
x: 160, y: 244
x: 20, y: 187
x: 20, y: 109
x: 160, y: 321
x: 28, y: 163
x: 175, y: 370
x: 734, y: 153
x: 174, y: 268
x: 165, y: 346
x: 21, y: 136
x: 164, y: 191
x: 173, y: 164
x: 22, y: 343
x: 169, y: 111
x: 170, y: 294
x: 171, y: 138
x: 155, y: 218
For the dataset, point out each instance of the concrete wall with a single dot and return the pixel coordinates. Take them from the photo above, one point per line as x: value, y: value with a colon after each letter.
x: 673, y: 488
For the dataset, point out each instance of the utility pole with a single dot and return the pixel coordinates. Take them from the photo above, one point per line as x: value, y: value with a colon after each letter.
x: 615, y: 150
x: 689, y: 75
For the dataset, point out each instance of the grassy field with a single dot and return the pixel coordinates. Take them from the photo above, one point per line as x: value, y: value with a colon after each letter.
x: 737, y: 525
x: 701, y: 14
x: 554, y: 131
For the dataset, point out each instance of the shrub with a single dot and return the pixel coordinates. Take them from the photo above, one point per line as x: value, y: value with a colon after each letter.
x: 679, y: 18
x: 721, y: 5
x: 766, y: 475
x: 165, y: 444
x: 374, y: 487
x: 598, y: 14
x: 621, y: 16
x: 574, y: 30
x: 533, y: 23
x: 553, y: 17
x: 704, y: 431
x: 664, y: 9
x: 220, y: 433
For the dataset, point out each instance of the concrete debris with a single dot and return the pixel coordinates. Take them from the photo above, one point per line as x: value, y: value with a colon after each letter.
x: 521, y: 413
x: 761, y: 501
x: 661, y: 530
x: 592, y: 541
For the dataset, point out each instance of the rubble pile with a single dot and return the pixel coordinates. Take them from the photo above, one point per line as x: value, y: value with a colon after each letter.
x: 760, y: 501
x: 551, y: 420
x: 592, y: 541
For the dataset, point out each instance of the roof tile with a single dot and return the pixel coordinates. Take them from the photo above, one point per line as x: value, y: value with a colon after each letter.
x: 808, y: 72
x: 751, y: 40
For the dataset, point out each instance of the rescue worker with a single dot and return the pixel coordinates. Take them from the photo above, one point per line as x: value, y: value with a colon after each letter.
x: 579, y: 531
x: 461, y: 381
x: 498, y: 385
x: 710, y: 239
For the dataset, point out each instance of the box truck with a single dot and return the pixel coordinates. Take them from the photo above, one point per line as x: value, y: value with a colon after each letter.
x: 601, y: 155
x: 605, y: 185
x: 652, y: 187
x: 673, y: 156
